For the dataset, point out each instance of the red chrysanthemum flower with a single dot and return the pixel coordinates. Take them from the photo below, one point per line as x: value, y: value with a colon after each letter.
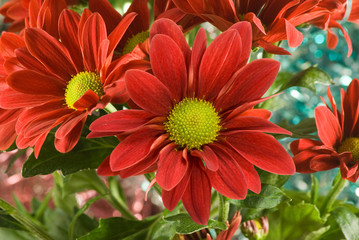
x: 61, y: 82
x: 272, y: 20
x: 339, y: 138
x: 337, y: 10
x: 34, y: 13
x: 197, y: 126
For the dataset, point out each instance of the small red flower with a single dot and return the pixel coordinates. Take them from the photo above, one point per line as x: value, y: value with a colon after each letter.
x: 61, y: 82
x: 196, y: 125
x: 272, y: 20
x: 339, y: 138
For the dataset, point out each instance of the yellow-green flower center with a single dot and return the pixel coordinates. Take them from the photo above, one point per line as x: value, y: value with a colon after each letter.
x: 192, y: 123
x: 80, y: 84
x: 134, y: 40
x: 350, y: 145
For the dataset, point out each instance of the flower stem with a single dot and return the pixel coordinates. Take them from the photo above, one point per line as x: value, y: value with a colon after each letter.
x: 223, y: 208
x: 337, y: 187
x: 110, y: 108
x: 25, y: 220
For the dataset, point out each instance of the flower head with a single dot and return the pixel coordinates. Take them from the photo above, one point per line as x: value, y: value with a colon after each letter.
x: 339, y: 138
x: 61, y: 81
x: 196, y: 125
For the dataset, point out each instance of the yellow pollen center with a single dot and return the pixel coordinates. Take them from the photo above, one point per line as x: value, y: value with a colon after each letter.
x: 350, y: 145
x: 80, y: 84
x: 134, y: 40
x: 192, y: 123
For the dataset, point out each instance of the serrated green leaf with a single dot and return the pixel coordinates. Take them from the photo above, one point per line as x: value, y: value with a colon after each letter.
x: 347, y: 221
x: 308, y: 78
x: 185, y: 225
x: 120, y: 228
x: 88, y: 154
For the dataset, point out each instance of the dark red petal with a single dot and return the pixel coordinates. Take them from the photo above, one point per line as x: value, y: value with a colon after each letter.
x: 168, y: 65
x: 94, y: 32
x: 168, y: 27
x: 133, y: 149
x: 31, y: 82
x: 120, y: 121
x: 68, y: 31
x: 208, y: 156
x: 228, y: 180
x: 263, y: 151
x: 329, y: 130
x: 70, y: 122
x: 198, y: 49
x: 171, y: 198
x: 302, y: 161
x: 86, y: 101
x: 68, y: 142
x: 148, y: 92
x: 249, y: 123
x: 324, y: 162
x: 104, y: 168
x: 219, y: 62
x: 28, y: 61
x: 250, y: 83
x: 107, y: 11
x: 303, y: 144
x: 197, y: 196
x: 50, y: 52
x: 171, y: 167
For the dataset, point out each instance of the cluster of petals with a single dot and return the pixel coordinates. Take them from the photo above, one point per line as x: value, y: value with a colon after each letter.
x: 336, y: 11
x: 272, y: 20
x: 33, y: 13
x: 39, y: 66
x: 220, y: 75
x: 334, y: 127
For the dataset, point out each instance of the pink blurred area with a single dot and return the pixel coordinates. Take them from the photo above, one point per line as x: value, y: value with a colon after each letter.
x: 37, y: 187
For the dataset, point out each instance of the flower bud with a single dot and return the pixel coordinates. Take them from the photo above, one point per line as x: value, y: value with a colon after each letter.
x: 256, y: 229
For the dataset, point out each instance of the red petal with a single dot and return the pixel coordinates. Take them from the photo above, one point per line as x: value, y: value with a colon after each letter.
x: 208, y: 156
x: 197, y: 197
x: 50, y: 52
x: 104, y: 168
x: 109, y: 14
x: 324, y: 162
x: 228, y: 179
x: 86, y: 101
x: 295, y: 37
x: 302, y: 161
x: 9, y: 42
x: 71, y: 121
x: 250, y: 83
x: 245, y: 31
x: 171, y: 167
x: 303, y: 144
x: 168, y: 65
x: 328, y: 126
x: 263, y: 151
x: 198, y: 49
x: 94, y: 32
x: 133, y: 149
x: 219, y: 62
x: 148, y: 92
x: 8, y: 135
x: 31, y: 82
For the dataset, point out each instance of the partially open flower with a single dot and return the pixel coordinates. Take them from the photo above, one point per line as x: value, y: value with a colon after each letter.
x: 256, y: 229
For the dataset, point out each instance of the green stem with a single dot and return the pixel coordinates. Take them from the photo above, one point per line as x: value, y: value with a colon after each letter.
x: 158, y: 189
x: 223, y: 208
x: 28, y: 223
x: 110, y: 108
x: 337, y: 187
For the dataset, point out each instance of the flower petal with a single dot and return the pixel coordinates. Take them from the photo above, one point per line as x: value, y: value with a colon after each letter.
x: 197, y: 196
x: 245, y: 31
x: 208, y: 156
x: 324, y: 162
x: 168, y: 65
x: 148, y: 92
x: 86, y: 101
x: 329, y: 130
x: 263, y: 151
x: 171, y: 167
x: 104, y: 168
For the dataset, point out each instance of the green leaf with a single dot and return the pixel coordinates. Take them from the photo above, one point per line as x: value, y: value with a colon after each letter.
x: 88, y: 154
x: 294, y: 222
x: 269, y: 197
x: 304, y: 129
x: 120, y: 228
x: 162, y: 231
x: 185, y: 225
x: 308, y: 78
x: 11, y: 234
x: 347, y: 221
x: 271, y: 178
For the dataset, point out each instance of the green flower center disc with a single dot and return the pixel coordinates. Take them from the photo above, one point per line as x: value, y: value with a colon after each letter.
x: 134, y: 40
x: 192, y: 123
x: 80, y: 84
x: 350, y: 145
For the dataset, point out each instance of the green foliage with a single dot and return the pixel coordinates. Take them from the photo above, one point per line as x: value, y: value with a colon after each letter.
x: 304, y: 129
x: 347, y: 221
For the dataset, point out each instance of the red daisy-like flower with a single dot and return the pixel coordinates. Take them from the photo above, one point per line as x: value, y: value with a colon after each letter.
x: 339, y: 138
x: 61, y: 82
x: 272, y: 20
x: 337, y: 10
x: 197, y: 127
x: 34, y: 13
